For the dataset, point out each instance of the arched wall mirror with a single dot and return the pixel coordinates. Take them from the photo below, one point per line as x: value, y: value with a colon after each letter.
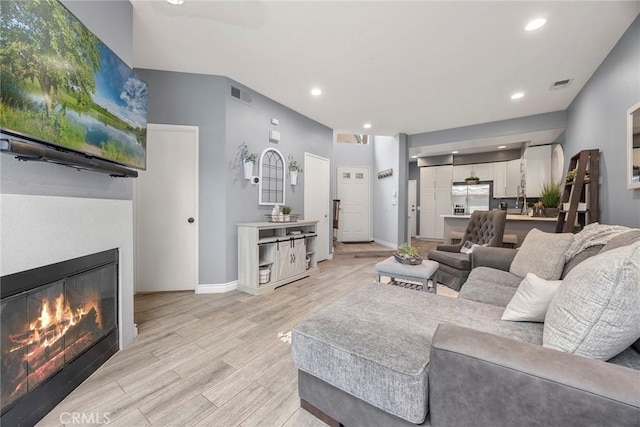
x: 633, y: 147
x: 271, y: 170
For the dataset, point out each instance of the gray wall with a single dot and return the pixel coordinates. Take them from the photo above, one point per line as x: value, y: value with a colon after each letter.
x: 251, y: 124
x: 199, y: 100
x: 353, y: 154
x: 597, y: 119
x: 225, y: 197
x: 385, y: 214
x: 112, y: 22
x: 554, y: 120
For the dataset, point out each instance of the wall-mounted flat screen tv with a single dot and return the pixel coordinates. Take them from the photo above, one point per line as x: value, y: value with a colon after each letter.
x: 60, y: 85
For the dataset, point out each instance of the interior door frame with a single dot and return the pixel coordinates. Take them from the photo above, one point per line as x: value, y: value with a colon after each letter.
x: 415, y: 208
x: 308, y: 181
x: 369, y: 196
x: 196, y: 172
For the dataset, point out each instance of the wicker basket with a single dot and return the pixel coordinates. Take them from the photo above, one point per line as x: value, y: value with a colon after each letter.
x: 408, y: 261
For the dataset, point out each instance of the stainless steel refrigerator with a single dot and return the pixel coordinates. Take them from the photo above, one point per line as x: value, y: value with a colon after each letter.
x: 470, y: 198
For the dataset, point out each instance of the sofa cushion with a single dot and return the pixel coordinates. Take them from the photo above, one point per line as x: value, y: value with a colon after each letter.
x: 596, y: 312
x: 579, y: 257
x: 453, y: 259
x: 374, y: 343
x: 542, y: 254
x: 490, y: 286
x: 624, y: 239
x: 531, y: 301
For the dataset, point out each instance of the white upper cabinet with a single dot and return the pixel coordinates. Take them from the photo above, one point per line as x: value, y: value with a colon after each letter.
x: 538, y: 171
x: 514, y: 177
x: 484, y: 171
x: 460, y: 172
x: 499, y: 180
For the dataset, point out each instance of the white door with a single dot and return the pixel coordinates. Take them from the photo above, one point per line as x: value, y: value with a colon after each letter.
x: 353, y: 192
x: 166, y: 207
x: 317, y: 200
x: 411, y: 208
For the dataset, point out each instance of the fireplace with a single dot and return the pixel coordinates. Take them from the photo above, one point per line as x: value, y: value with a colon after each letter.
x: 59, y: 323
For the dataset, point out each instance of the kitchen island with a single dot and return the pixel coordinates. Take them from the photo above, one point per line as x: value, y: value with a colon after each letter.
x: 520, y: 225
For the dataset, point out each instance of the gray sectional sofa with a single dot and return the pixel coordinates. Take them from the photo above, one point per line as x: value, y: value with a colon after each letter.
x: 388, y: 356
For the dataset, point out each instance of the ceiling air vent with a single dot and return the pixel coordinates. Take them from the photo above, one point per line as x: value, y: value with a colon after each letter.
x: 240, y: 95
x: 560, y: 84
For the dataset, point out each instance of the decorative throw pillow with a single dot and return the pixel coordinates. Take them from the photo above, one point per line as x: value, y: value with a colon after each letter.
x: 541, y: 254
x: 468, y: 247
x: 531, y: 300
x: 596, y: 312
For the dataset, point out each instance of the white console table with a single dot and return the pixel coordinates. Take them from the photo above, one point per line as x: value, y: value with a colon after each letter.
x: 283, y: 247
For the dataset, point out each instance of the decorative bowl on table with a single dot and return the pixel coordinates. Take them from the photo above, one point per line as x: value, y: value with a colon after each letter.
x: 417, y: 260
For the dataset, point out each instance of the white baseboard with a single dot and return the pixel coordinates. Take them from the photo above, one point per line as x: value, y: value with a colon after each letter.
x: 216, y: 288
x: 387, y: 244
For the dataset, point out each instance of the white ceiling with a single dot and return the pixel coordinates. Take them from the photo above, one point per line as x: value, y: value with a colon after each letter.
x: 406, y: 67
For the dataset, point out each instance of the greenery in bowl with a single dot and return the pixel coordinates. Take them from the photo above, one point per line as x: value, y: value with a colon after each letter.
x: 571, y: 175
x: 407, y: 251
x: 551, y: 195
x: 286, y: 210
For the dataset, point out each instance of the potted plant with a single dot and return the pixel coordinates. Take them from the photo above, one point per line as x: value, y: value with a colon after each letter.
x: 286, y: 211
x: 407, y: 254
x: 472, y: 180
x: 294, y: 168
x: 551, y: 196
x: 248, y: 160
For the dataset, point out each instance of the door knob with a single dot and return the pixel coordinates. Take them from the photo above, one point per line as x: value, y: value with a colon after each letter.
x: 190, y: 220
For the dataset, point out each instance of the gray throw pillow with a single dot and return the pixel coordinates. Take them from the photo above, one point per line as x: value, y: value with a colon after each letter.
x: 596, y: 312
x: 541, y: 254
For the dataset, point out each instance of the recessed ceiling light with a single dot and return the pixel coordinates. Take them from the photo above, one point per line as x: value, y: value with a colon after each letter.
x: 175, y: 2
x: 367, y: 125
x: 454, y: 152
x: 517, y: 95
x: 316, y: 91
x: 501, y: 147
x: 414, y: 157
x: 535, y: 24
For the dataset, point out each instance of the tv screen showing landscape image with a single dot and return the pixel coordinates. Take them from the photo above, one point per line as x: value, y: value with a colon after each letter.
x: 59, y: 84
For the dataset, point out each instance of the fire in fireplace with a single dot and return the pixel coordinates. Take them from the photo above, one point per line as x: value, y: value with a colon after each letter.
x: 48, y: 328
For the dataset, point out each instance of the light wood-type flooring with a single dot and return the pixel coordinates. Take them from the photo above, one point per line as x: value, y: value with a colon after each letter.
x: 212, y: 360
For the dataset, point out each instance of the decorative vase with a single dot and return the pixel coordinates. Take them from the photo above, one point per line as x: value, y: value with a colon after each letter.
x: 551, y: 212
x: 248, y: 169
x: 294, y: 177
x: 287, y: 218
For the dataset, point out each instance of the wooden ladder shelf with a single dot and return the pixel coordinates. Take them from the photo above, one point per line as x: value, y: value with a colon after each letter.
x: 582, y: 189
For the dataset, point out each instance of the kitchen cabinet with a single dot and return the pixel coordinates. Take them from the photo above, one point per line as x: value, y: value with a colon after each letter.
x: 538, y: 168
x: 484, y: 171
x: 460, y: 172
x: 506, y: 179
x: 435, y: 199
x: 514, y: 178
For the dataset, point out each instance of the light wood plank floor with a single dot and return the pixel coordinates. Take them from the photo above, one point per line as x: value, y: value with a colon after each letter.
x: 213, y: 360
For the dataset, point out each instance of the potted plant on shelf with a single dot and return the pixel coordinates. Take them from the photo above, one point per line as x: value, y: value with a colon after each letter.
x: 551, y: 196
x: 294, y: 168
x: 286, y: 212
x: 248, y: 160
x: 472, y: 180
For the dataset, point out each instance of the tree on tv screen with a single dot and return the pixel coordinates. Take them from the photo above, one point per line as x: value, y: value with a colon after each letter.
x: 58, y: 53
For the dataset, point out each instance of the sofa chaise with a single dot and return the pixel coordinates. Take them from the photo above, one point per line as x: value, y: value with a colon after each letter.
x: 387, y: 356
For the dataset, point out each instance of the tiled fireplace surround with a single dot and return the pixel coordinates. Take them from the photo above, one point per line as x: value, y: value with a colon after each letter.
x: 38, y: 231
